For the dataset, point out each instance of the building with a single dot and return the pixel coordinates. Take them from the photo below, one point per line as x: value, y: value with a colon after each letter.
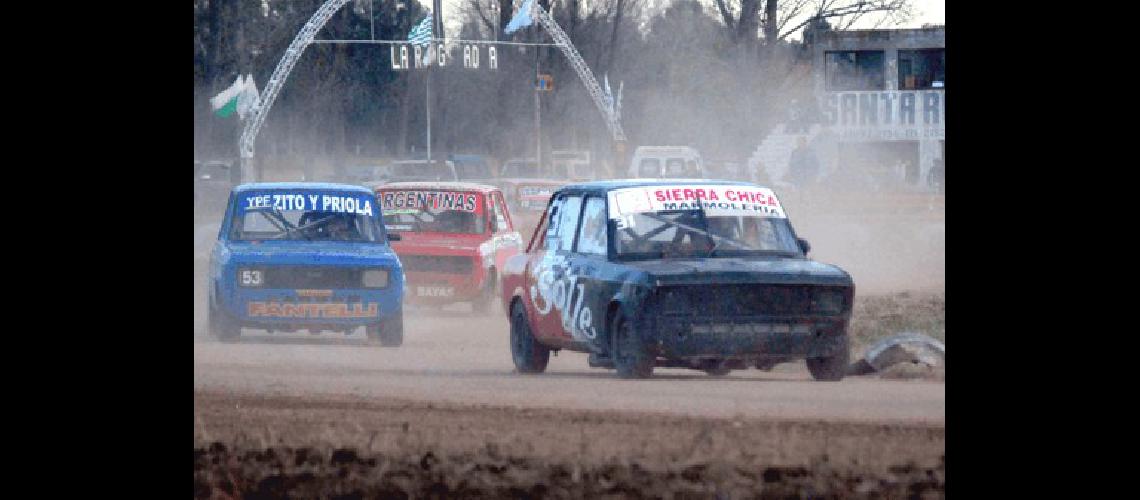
x: 881, y: 98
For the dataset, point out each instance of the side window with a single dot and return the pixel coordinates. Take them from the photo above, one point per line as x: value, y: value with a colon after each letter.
x: 568, y: 223
x: 490, y: 206
x: 553, y: 218
x: 500, y: 215
x: 592, y: 234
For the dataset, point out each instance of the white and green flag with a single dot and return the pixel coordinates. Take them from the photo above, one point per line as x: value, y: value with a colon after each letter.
x: 241, y: 97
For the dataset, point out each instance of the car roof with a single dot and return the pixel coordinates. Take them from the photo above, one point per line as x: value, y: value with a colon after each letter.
x: 610, y: 185
x: 258, y: 186
x: 444, y: 186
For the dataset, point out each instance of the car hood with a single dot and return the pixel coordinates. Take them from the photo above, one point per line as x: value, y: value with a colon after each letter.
x: 313, y: 253
x: 741, y: 270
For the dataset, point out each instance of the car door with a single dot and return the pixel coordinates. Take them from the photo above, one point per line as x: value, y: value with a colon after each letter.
x: 547, y: 285
x: 590, y: 292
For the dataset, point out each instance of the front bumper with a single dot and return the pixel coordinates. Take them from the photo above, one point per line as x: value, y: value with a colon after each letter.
x: 443, y: 288
x: 745, y: 337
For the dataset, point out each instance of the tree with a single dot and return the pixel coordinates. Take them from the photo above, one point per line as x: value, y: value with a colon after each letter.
x: 783, y: 19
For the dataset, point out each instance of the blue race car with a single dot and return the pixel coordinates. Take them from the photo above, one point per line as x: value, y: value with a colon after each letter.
x: 311, y: 256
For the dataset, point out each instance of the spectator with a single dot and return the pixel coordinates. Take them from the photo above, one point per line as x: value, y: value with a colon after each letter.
x: 795, y: 121
x: 761, y: 175
x: 936, y: 178
x: 803, y: 167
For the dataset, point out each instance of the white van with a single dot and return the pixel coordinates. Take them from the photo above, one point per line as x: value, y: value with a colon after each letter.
x: 673, y: 162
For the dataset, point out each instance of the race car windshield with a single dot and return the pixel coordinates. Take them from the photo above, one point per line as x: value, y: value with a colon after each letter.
x: 699, y: 220
x: 417, y: 211
x: 306, y: 217
x: 694, y: 233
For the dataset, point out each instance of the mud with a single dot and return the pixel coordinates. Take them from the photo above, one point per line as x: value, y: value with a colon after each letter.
x: 305, y: 447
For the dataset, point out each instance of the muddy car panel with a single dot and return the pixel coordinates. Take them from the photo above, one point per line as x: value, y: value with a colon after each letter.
x: 449, y: 263
x: 724, y: 306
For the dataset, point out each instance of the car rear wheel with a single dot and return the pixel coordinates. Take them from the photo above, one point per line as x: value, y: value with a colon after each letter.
x: 831, y: 368
x: 528, y: 354
x: 631, y: 356
x: 388, y: 332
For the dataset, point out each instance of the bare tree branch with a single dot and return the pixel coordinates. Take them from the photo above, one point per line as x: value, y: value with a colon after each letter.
x: 726, y: 16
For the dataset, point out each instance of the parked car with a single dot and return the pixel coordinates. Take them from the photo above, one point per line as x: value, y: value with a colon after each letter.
x: 661, y: 162
x: 707, y: 275
x: 361, y: 174
x: 415, y: 170
x: 573, y: 165
x: 213, y: 181
x: 455, y: 237
x: 301, y: 255
x: 473, y: 168
x: 527, y: 190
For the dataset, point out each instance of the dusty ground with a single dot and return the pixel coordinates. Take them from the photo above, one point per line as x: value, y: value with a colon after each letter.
x: 444, y: 415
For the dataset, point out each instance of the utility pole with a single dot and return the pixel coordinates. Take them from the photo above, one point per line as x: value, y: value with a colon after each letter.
x: 436, y: 30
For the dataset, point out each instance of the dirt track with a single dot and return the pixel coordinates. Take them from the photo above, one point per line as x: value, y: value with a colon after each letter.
x: 445, y: 414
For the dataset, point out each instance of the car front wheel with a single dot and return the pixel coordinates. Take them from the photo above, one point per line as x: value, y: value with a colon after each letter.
x: 528, y: 354
x: 831, y: 368
x: 485, y: 303
x: 631, y: 357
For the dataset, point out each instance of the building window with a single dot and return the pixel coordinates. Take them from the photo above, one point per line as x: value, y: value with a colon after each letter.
x: 855, y: 70
x: 922, y: 69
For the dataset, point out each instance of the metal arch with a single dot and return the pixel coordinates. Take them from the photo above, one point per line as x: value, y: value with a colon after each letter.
x: 330, y: 7
x: 281, y: 72
x: 584, y: 73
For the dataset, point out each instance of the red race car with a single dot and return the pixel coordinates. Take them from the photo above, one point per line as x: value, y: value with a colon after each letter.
x: 527, y: 188
x: 456, y: 236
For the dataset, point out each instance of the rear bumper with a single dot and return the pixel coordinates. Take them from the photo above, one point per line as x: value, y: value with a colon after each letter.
x: 285, y: 308
x: 745, y: 337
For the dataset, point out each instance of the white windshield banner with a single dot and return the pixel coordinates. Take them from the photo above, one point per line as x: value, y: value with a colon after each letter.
x: 717, y: 200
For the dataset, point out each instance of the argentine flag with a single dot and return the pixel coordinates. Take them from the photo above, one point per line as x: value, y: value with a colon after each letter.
x: 522, y: 18
x: 421, y: 34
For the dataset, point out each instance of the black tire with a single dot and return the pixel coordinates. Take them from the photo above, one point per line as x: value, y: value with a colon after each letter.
x: 831, y: 368
x: 484, y: 305
x: 631, y: 357
x: 388, y: 332
x: 220, y: 325
x: 528, y: 354
x: 718, y: 371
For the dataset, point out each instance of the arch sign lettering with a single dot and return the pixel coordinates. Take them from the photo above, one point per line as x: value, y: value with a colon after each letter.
x: 467, y: 55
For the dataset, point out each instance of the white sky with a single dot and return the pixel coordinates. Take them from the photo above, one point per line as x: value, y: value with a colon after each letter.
x: 925, y: 12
